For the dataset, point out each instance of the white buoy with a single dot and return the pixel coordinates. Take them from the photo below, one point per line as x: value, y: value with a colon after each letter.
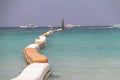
x: 59, y: 30
x: 34, y: 71
x: 41, y: 42
x: 35, y: 46
x: 49, y: 32
x: 42, y: 38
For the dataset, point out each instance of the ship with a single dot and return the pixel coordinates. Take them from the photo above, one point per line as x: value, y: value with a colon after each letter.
x: 116, y: 25
x: 67, y: 26
x: 29, y: 26
x: 50, y: 26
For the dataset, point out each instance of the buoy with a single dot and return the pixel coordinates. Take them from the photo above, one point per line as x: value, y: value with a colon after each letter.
x: 42, y: 38
x: 35, y: 46
x: 49, y: 32
x: 33, y: 56
x: 54, y: 30
x: 45, y: 34
x: 40, y: 42
x: 34, y: 71
x: 59, y: 30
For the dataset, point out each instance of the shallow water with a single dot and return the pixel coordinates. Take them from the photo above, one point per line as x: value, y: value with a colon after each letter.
x: 12, y: 43
x: 76, y: 54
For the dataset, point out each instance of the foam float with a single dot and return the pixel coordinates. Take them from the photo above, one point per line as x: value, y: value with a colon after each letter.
x: 39, y: 66
x: 54, y: 30
x: 41, y: 41
x: 32, y: 56
x: 45, y: 34
x: 50, y: 32
x: 34, y: 71
x: 42, y: 38
x: 59, y: 30
x: 35, y: 46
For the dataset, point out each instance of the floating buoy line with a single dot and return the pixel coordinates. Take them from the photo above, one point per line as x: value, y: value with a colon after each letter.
x: 38, y: 68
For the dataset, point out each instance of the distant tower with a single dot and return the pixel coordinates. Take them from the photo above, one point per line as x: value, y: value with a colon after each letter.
x: 63, y: 24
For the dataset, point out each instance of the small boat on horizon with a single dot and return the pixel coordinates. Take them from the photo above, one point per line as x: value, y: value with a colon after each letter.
x: 116, y: 25
x: 50, y: 26
x: 28, y: 26
x: 68, y: 26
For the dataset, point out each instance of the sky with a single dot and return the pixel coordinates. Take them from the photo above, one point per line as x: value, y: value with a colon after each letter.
x: 50, y: 12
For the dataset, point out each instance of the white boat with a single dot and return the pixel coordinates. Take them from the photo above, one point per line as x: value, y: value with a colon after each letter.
x: 29, y: 26
x: 69, y: 26
x: 116, y: 25
x: 50, y: 26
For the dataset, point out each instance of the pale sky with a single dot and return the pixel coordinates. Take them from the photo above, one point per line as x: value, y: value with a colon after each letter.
x: 50, y: 12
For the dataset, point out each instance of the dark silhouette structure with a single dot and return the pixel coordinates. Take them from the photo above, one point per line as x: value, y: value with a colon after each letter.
x: 63, y: 27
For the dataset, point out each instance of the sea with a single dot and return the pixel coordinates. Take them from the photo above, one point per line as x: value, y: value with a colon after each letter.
x: 80, y: 53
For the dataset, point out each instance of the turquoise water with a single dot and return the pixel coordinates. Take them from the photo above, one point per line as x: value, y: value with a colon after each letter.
x: 76, y: 54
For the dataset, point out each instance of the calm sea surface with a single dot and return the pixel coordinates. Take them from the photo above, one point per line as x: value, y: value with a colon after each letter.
x: 76, y: 54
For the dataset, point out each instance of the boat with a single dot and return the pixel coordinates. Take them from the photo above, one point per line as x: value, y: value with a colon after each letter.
x: 67, y: 26
x: 50, y: 26
x: 29, y: 26
x: 116, y: 25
